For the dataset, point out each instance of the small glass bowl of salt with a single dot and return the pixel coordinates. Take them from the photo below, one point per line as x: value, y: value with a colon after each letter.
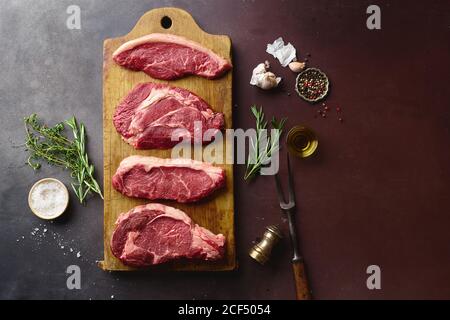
x: 48, y: 198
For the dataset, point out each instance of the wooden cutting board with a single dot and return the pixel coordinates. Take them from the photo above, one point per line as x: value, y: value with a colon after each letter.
x: 215, y: 213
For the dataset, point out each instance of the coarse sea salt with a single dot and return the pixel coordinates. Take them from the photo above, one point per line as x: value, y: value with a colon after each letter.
x: 48, y: 198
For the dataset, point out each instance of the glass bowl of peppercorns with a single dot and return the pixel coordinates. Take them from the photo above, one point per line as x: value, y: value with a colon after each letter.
x: 312, y: 85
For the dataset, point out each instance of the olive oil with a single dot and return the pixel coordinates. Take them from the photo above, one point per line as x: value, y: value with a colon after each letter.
x: 301, y: 141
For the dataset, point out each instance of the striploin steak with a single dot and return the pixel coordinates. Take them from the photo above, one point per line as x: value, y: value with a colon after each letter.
x: 154, y: 233
x: 168, y: 57
x: 157, y: 116
x: 183, y: 180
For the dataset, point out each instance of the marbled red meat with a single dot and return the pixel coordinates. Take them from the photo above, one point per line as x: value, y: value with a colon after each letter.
x: 168, y: 57
x: 152, y: 114
x: 154, y: 233
x: 182, y: 180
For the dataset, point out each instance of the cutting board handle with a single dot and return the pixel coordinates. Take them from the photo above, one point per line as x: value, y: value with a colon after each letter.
x: 168, y: 20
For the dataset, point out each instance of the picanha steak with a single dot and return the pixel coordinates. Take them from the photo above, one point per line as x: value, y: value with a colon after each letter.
x: 168, y: 57
x: 158, y: 116
x: 183, y: 180
x: 154, y: 233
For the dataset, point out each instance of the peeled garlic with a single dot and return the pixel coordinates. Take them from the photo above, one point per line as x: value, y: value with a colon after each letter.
x: 297, y: 66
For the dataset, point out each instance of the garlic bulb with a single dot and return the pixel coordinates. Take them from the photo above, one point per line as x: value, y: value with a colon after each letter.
x: 264, y: 79
x: 268, y: 81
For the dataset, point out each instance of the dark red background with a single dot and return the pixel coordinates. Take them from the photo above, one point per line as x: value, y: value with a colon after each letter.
x: 377, y: 192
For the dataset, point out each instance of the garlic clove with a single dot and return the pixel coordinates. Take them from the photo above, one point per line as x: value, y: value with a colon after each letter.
x: 297, y: 66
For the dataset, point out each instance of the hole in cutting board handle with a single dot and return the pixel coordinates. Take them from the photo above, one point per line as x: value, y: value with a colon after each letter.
x: 166, y: 22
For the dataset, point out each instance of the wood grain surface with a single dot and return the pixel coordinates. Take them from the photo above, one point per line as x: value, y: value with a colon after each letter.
x: 302, y: 289
x: 216, y: 212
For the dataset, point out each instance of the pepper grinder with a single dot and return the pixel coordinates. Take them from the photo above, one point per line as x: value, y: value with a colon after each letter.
x: 262, y: 250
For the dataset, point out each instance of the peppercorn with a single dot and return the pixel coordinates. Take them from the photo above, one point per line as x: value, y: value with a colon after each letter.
x: 312, y: 84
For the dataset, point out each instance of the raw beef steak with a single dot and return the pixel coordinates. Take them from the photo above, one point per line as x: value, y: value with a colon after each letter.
x: 153, y: 114
x: 183, y: 180
x: 154, y: 233
x: 168, y: 57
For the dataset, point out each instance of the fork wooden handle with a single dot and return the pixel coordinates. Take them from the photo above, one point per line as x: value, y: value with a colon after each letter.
x: 301, y: 282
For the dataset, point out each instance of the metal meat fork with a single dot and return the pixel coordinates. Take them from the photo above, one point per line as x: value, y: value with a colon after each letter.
x: 298, y: 265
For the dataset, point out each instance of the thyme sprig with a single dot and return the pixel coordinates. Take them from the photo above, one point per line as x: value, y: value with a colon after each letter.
x: 262, y: 145
x: 51, y: 145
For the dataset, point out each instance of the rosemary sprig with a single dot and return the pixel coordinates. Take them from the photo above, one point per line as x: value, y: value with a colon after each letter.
x: 51, y: 145
x: 262, y: 145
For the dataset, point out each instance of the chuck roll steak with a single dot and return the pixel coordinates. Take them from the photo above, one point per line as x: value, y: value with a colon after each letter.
x: 183, y: 180
x: 154, y: 233
x: 154, y: 114
x: 169, y: 57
